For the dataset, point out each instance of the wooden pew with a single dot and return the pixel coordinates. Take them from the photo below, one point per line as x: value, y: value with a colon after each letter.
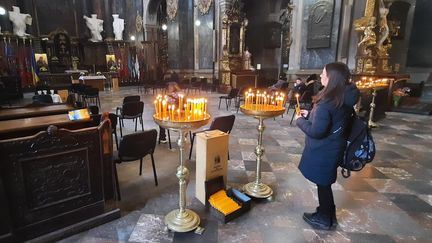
x: 56, y: 182
x: 24, y: 112
x: 29, y: 126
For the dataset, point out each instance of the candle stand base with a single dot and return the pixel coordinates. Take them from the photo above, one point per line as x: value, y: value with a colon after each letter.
x: 259, y: 190
x: 372, y: 124
x: 182, y: 222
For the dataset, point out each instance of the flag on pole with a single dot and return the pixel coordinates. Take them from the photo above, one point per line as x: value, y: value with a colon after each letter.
x: 34, y: 68
x: 130, y: 65
x: 137, y: 67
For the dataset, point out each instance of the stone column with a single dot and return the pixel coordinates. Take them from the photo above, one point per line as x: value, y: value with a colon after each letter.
x: 297, y: 26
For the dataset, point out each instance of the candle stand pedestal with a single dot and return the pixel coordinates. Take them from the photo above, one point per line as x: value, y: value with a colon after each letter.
x: 182, y: 219
x: 256, y: 188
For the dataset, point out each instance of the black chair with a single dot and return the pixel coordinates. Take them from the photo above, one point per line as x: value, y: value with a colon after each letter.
x: 131, y: 110
x: 232, y: 95
x: 94, y: 110
x: 131, y: 98
x: 91, y: 94
x: 43, y: 99
x: 240, y: 98
x: 305, y: 101
x: 222, y: 123
x: 135, y: 147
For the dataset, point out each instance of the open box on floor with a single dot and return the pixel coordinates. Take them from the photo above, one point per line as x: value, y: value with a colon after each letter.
x: 217, y: 184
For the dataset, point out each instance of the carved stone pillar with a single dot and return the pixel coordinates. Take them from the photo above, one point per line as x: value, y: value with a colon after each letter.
x: 297, y: 25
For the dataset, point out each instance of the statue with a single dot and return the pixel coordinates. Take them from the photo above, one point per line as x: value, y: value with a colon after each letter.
x: 247, y: 60
x: 118, y: 26
x: 19, y: 21
x: 369, y: 36
x: 96, y: 27
x: 385, y: 31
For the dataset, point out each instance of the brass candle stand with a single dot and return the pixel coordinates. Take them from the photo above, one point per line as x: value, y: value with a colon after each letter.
x: 256, y: 188
x: 182, y: 219
x: 371, y: 123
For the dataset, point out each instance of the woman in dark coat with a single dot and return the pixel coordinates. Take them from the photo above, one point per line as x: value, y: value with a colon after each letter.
x: 325, y: 139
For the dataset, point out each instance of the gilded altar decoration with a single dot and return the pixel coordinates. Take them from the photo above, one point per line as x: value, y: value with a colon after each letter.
x: 204, y: 6
x: 172, y: 6
x: 233, y: 41
x: 234, y: 13
x: 138, y: 23
x: 375, y: 41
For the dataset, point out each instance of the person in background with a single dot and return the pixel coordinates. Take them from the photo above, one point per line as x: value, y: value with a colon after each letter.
x: 325, y: 139
x: 299, y: 88
x: 312, y: 84
x: 278, y: 85
x: 172, y: 94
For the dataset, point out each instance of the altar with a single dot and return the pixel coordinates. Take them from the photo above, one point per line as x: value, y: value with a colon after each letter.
x: 94, y: 81
x: 244, y: 78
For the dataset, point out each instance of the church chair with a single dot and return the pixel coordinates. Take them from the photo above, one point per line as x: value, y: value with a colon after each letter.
x: 91, y: 94
x: 131, y: 110
x: 231, y: 95
x: 222, y: 123
x: 130, y: 98
x: 43, y: 99
x: 135, y: 147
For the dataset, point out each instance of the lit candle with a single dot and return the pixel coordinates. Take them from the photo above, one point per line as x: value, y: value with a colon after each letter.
x: 164, y: 109
x: 155, y: 104
x: 298, y: 104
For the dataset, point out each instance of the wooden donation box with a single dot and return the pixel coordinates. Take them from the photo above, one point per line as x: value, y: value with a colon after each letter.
x: 246, y: 78
x: 94, y: 81
x: 211, y: 159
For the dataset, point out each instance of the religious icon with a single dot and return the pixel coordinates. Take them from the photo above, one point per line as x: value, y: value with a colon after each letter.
x: 111, y: 63
x: 42, y: 62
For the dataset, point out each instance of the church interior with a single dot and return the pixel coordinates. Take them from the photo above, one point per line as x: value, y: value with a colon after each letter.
x: 178, y: 120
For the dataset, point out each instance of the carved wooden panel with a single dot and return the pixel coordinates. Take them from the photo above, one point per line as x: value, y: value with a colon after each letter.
x: 51, y: 179
x: 48, y: 174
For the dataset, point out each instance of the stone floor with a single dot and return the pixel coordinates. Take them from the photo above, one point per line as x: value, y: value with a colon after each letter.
x: 390, y: 200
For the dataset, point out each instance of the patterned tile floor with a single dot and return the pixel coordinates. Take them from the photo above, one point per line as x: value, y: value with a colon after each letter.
x: 388, y: 201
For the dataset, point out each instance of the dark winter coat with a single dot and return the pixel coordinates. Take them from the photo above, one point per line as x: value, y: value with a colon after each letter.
x: 325, y: 139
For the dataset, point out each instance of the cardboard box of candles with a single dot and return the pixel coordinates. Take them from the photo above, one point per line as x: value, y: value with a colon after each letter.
x: 225, y: 205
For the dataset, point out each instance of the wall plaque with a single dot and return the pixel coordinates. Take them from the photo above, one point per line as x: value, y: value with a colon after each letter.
x: 320, y: 24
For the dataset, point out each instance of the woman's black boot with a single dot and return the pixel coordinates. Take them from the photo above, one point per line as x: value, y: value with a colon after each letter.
x: 319, y: 220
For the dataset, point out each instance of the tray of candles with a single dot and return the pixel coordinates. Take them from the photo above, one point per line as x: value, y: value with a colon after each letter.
x: 263, y: 104
x: 225, y: 205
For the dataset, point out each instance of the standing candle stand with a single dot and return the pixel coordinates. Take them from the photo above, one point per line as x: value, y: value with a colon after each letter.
x: 193, y: 116
x: 371, y: 123
x: 261, y: 107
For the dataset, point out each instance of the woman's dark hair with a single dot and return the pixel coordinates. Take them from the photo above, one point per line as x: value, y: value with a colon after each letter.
x: 338, y: 77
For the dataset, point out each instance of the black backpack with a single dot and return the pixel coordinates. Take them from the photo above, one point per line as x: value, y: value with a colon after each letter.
x: 360, y: 148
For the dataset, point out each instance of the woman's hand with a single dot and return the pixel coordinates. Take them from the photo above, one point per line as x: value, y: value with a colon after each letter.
x: 303, y: 113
